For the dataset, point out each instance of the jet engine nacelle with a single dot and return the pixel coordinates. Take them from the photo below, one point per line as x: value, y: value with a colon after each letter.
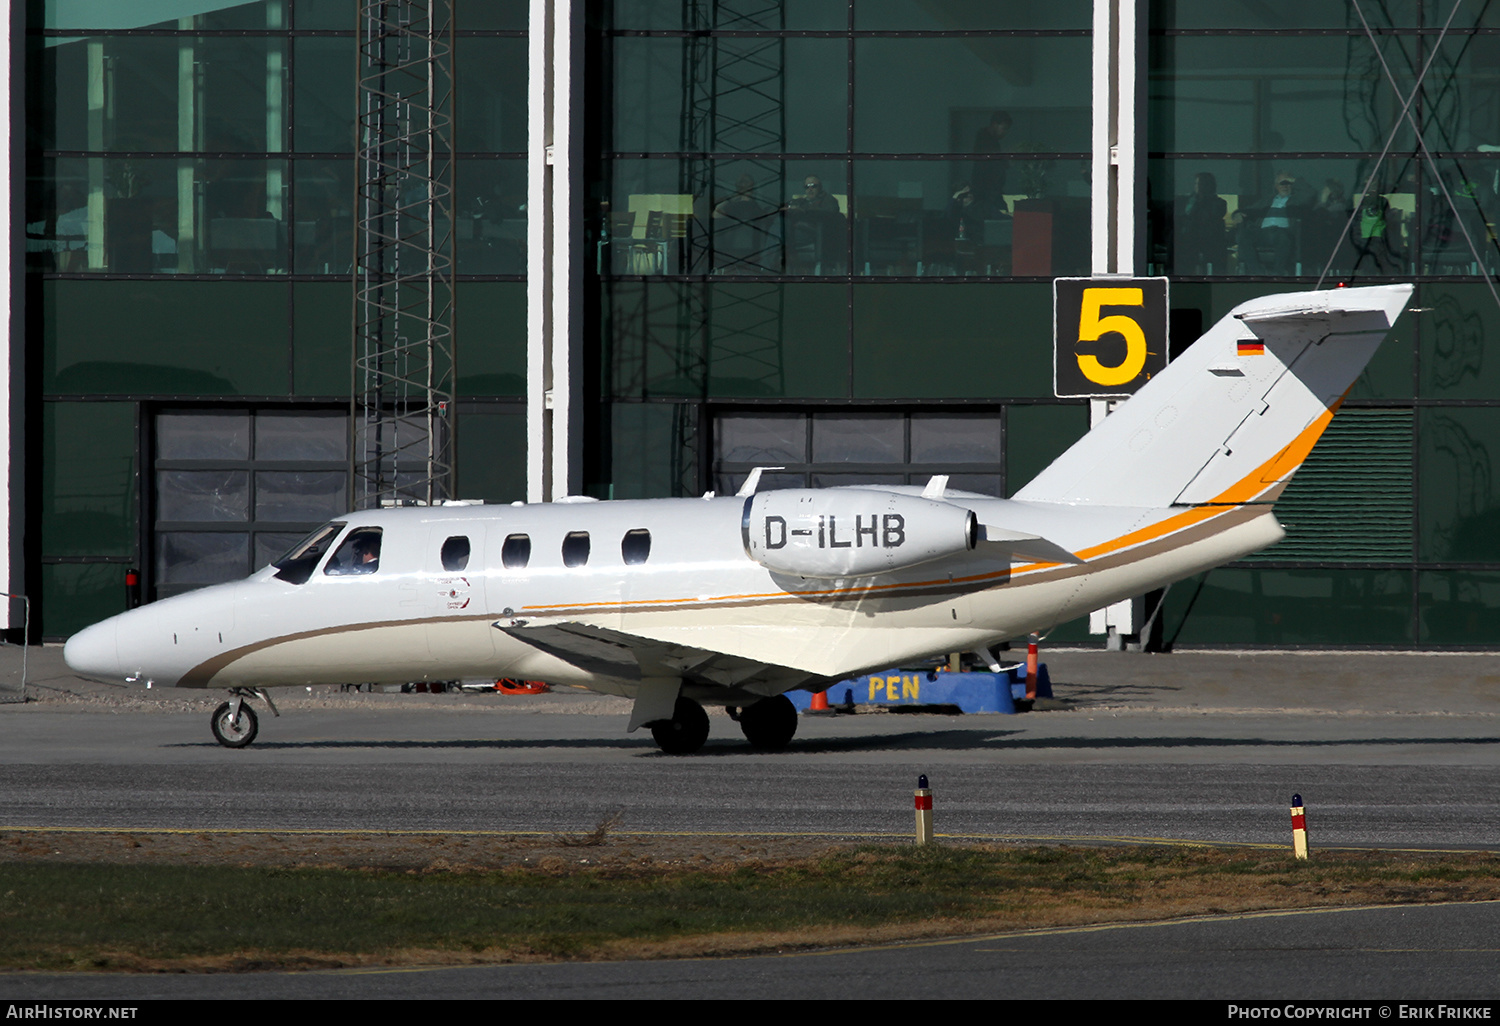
x: 851, y: 532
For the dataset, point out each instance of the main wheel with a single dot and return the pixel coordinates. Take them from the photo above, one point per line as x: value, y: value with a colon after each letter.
x: 770, y: 723
x: 685, y: 732
x: 234, y: 733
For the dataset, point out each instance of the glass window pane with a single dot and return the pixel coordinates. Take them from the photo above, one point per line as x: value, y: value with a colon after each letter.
x: 575, y: 548
x: 205, y: 495
x: 203, y: 435
x: 929, y: 95
x: 794, y: 15
x: 1292, y: 217
x: 323, y: 224
x: 859, y: 438
x: 359, y: 554
x: 327, y: 99
x: 984, y: 484
x: 1293, y: 607
x: 635, y: 547
x: 516, y: 552
x: 987, y: 216
x: 269, y: 545
x: 300, y: 496
x: 1268, y: 94
x: 127, y: 93
x: 455, y: 553
x: 831, y: 480
x: 971, y: 15
x: 1459, y: 608
x: 89, y: 503
x: 168, y: 338
x: 916, y: 341
x: 762, y: 439
x: 1456, y: 320
x: 201, y: 557
x: 186, y: 215
x: 956, y: 438
x: 491, y: 221
x: 1458, y: 464
x: 1283, y: 14
x: 163, y: 14
x: 301, y: 436
x: 491, y: 115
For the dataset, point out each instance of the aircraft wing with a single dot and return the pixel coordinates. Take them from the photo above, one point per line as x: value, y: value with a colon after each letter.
x: 629, y: 658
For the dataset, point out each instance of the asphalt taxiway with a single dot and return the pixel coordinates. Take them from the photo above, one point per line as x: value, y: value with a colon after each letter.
x: 1388, y: 750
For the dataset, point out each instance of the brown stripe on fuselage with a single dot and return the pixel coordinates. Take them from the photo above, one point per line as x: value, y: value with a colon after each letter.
x: 1224, y: 518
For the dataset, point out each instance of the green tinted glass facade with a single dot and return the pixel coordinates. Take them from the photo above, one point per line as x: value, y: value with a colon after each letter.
x: 806, y: 224
x: 189, y: 244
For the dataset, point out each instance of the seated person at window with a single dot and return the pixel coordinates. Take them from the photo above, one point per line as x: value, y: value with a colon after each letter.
x: 360, y: 554
x: 1269, y: 230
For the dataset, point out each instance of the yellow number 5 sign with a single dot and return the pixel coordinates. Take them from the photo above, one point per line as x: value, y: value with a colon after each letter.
x: 1110, y: 334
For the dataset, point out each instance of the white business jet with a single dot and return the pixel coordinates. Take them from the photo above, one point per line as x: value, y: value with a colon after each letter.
x: 735, y: 600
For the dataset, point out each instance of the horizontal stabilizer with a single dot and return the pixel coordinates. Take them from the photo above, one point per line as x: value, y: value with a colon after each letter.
x: 1027, y: 546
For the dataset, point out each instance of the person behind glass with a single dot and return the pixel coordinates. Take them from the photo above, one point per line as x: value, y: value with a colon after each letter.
x: 813, y: 198
x: 1267, y: 239
x: 1202, y: 239
x: 988, y: 176
x: 817, y: 226
x: 1376, y: 232
x: 739, y: 229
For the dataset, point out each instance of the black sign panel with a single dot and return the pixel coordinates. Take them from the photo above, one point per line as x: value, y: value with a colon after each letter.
x: 1110, y: 335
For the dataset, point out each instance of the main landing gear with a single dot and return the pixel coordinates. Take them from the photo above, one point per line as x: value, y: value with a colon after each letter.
x: 769, y: 725
x: 234, y: 723
x: 685, y: 732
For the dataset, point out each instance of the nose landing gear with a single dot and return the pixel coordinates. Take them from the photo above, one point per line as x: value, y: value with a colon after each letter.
x: 234, y: 723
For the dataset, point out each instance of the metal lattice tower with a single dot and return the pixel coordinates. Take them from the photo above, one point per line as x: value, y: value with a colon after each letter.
x: 735, y: 89
x: 402, y: 407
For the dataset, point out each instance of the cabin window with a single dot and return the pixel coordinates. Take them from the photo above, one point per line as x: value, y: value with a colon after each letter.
x: 456, y: 553
x: 516, y: 552
x: 636, y: 546
x: 360, y: 554
x: 296, y: 566
x: 575, y: 548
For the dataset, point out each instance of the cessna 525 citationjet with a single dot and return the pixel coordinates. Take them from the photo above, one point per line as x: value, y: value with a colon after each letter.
x: 734, y: 600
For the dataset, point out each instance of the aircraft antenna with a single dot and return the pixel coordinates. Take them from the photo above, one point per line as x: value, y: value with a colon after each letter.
x: 402, y: 409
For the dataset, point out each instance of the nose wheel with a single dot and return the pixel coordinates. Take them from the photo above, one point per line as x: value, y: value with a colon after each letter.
x: 234, y: 728
x: 234, y: 723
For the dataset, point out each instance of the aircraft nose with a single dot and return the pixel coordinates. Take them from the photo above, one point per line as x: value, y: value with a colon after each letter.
x: 95, y: 651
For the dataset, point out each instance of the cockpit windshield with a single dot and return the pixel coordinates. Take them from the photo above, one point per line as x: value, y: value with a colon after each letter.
x: 360, y: 554
x: 301, y: 559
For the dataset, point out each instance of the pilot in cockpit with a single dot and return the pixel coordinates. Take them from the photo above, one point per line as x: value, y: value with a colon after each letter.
x: 360, y: 554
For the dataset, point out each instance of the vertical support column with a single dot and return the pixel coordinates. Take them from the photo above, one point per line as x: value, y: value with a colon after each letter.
x: 1118, y: 196
x: 187, y: 141
x: 553, y: 271
x: 1118, y: 187
x: 12, y: 281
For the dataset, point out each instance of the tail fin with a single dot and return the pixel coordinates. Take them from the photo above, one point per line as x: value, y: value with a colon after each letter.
x: 1233, y: 418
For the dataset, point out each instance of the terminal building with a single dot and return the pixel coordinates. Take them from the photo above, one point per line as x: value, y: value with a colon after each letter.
x: 692, y: 237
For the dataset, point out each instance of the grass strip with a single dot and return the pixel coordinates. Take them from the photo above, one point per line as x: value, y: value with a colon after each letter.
x: 63, y: 916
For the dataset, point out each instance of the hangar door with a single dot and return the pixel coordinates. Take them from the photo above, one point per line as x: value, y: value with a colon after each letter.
x: 823, y: 449
x: 234, y: 489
